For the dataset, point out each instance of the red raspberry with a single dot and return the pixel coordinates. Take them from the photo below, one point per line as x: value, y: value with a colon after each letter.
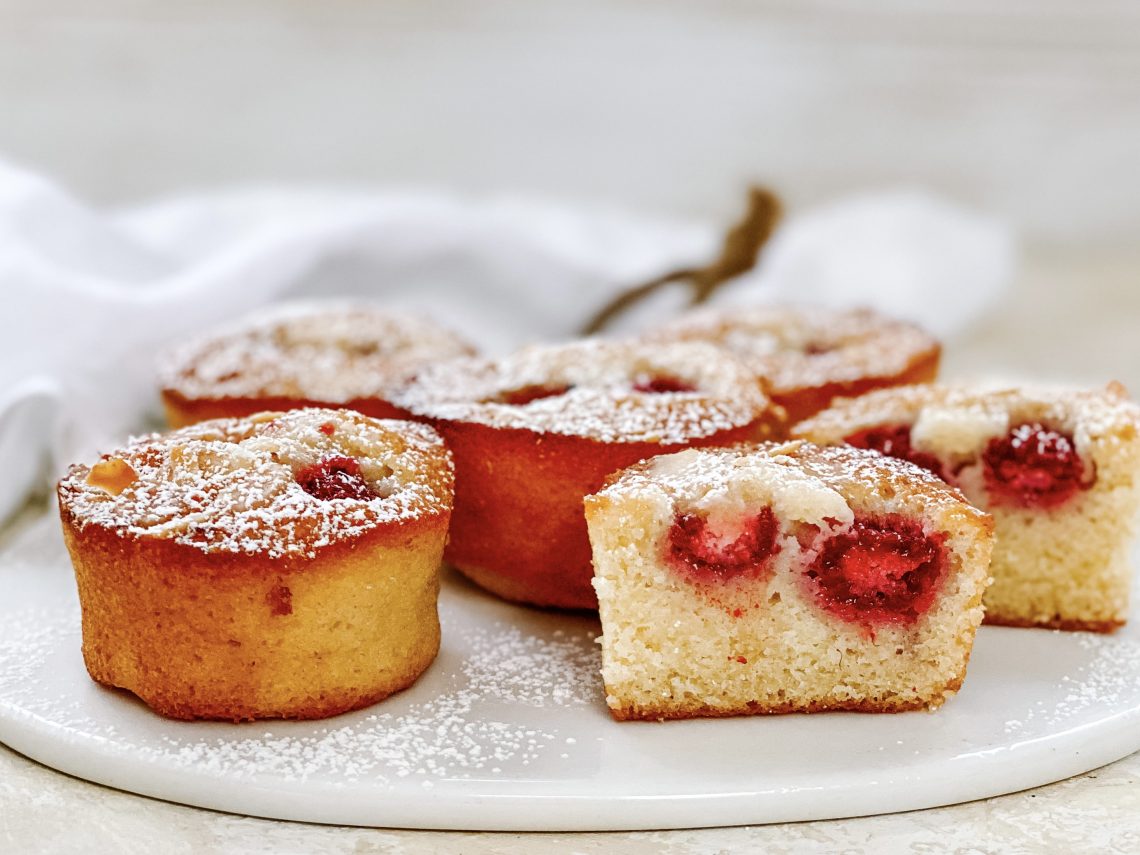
x: 697, y: 551
x: 518, y: 397
x: 1033, y: 467
x: 661, y: 385
x: 879, y: 571
x: 894, y: 441
x: 335, y: 478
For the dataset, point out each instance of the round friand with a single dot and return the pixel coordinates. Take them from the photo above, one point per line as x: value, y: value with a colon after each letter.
x: 535, y: 432
x: 303, y: 355
x: 807, y: 355
x: 1059, y: 470
x: 777, y: 578
x: 284, y: 565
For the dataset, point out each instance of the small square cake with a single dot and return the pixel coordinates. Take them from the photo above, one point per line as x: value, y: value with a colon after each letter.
x: 779, y: 578
x: 1059, y: 471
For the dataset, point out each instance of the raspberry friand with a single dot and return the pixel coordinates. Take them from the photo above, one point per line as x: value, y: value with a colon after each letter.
x: 807, y: 355
x: 534, y: 432
x: 285, y: 565
x: 1059, y: 470
x: 779, y: 578
x: 302, y: 355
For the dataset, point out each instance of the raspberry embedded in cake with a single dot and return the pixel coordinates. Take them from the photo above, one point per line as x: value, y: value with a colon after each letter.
x: 522, y: 396
x: 1058, y: 469
x: 895, y: 441
x: 212, y: 587
x: 815, y: 348
x: 835, y: 575
x: 661, y: 385
x: 881, y: 570
x: 1033, y: 467
x: 336, y: 478
x: 709, y: 553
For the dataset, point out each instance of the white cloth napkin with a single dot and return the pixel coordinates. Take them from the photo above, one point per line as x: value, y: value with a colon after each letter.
x: 90, y: 297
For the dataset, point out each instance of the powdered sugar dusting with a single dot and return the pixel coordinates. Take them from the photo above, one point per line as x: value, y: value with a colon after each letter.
x: 793, y: 471
x: 470, y: 727
x: 1090, y: 416
x: 799, y: 347
x: 330, y: 352
x: 231, y: 486
x: 590, y: 390
x: 509, y: 724
x: 444, y: 737
x: 28, y: 637
x: 1112, y: 666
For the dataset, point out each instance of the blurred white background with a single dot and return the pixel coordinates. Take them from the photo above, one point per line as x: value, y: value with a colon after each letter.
x: 1028, y: 109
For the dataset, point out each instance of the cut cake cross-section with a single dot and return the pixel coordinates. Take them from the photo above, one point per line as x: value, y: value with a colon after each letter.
x: 1059, y: 470
x: 772, y: 578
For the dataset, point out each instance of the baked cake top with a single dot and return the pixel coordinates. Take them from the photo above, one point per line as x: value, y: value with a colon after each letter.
x: 273, y: 484
x: 800, y: 480
x: 958, y: 420
x: 796, y: 347
x: 332, y: 353
x: 602, y: 390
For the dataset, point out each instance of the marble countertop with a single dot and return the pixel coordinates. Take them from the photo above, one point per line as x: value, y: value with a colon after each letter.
x: 45, y: 812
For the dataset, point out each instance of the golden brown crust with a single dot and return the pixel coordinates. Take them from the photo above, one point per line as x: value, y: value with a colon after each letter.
x: 765, y: 644
x: 182, y: 411
x: 290, y: 356
x: 677, y: 711
x: 1102, y: 626
x: 214, y: 585
x: 803, y: 403
x: 595, y: 390
x: 244, y: 637
x: 231, y: 485
x: 806, y: 356
x: 1105, y: 412
x: 854, y: 470
x: 518, y: 528
x: 523, y: 464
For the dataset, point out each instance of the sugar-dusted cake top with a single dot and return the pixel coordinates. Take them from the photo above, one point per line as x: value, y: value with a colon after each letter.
x: 602, y: 390
x: 799, y: 347
x: 332, y: 353
x: 801, y: 481
x: 958, y: 420
x: 274, y: 484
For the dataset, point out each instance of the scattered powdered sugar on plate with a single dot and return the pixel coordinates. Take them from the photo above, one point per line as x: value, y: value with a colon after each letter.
x: 27, y: 638
x: 508, y: 729
x: 449, y: 736
x: 471, y: 728
x: 1113, y: 668
x: 467, y: 717
x: 517, y: 668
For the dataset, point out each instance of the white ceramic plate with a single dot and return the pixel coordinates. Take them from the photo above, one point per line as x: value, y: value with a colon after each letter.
x: 508, y: 730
